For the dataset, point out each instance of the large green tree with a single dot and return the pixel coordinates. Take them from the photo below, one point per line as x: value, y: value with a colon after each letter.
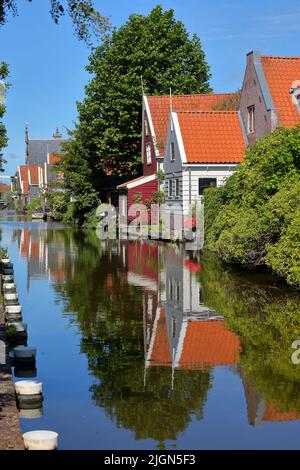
x: 3, y: 136
x: 155, y: 50
x: 88, y: 22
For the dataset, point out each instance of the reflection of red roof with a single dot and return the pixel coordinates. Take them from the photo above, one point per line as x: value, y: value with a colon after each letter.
x: 212, y: 137
x: 208, y: 343
x: 273, y: 415
x: 161, y: 355
x: 34, y: 249
x: 280, y: 73
x: 192, y: 266
x: 160, y: 111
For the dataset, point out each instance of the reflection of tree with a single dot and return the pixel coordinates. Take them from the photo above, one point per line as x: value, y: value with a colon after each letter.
x: 266, y: 316
x: 109, y: 313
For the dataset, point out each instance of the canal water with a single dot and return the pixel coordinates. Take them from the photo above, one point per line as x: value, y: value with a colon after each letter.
x: 142, y: 345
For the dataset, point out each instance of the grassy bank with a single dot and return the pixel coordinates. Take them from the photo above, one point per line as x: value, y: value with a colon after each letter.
x: 254, y: 219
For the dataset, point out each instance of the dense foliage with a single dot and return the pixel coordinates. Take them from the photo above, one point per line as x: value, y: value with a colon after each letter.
x: 86, y: 19
x: 254, y: 219
x: 155, y: 50
x: 3, y: 136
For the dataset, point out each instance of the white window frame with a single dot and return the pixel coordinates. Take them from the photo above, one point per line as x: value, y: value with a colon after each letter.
x: 148, y: 154
x: 172, y: 151
x: 147, y: 132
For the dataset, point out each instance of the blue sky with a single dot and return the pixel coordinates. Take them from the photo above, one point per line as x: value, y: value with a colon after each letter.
x: 47, y: 61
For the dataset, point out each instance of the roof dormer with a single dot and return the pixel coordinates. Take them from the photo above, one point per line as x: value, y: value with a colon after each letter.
x: 295, y: 93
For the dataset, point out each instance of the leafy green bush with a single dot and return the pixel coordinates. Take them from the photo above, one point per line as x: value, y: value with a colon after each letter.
x: 253, y: 219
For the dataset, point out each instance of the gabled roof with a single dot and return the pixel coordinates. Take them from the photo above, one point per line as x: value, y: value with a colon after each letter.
x: 159, y: 109
x: 212, y: 136
x: 33, y: 175
x: 280, y: 73
x: 53, y: 158
x: 23, y: 178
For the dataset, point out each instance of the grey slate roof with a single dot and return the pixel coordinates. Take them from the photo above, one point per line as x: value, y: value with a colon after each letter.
x: 38, y: 150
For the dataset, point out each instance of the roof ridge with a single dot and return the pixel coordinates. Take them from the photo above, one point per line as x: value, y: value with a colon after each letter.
x: 49, y: 139
x: 190, y: 94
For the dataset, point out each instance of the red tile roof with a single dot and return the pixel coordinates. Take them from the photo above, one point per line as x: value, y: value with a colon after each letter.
x: 160, y: 111
x: 23, y: 171
x: 139, y: 179
x: 280, y: 73
x: 272, y: 414
x: 208, y: 343
x: 212, y: 137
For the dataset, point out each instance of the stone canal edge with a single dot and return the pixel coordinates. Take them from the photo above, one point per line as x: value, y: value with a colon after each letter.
x: 10, y: 433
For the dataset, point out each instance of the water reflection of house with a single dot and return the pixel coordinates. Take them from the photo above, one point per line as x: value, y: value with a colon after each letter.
x: 260, y: 410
